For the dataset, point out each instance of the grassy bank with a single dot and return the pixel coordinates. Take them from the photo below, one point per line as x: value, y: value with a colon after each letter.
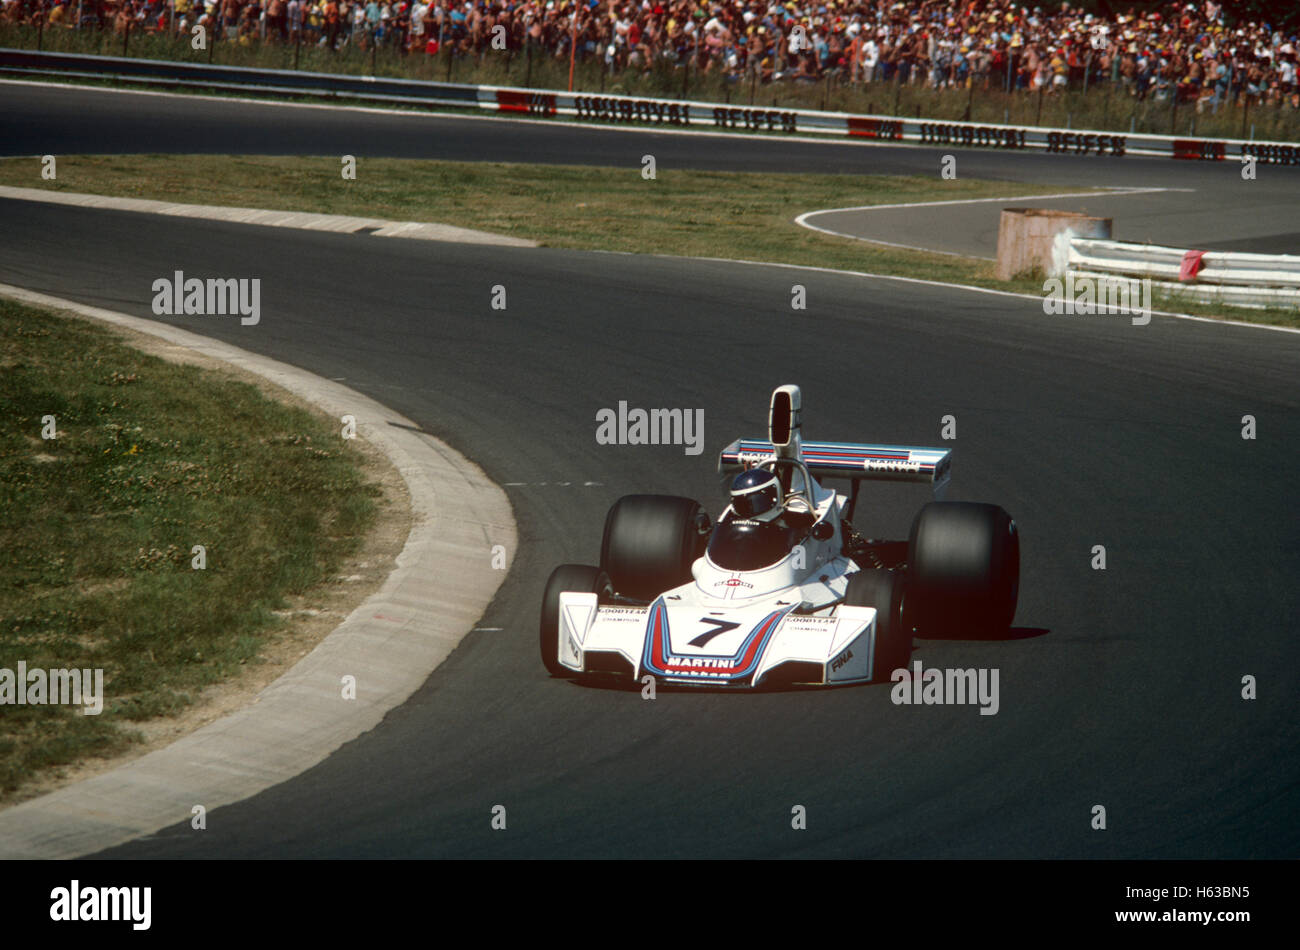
x: 97, y: 528
x: 746, y: 215
x: 695, y: 213
x: 1105, y: 108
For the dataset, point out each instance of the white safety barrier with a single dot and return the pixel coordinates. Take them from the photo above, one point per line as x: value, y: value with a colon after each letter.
x: 1244, y: 280
x: 630, y: 110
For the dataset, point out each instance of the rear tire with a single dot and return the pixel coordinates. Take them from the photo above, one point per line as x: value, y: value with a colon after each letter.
x: 883, y: 590
x: 566, y: 577
x: 650, y: 543
x: 964, y: 566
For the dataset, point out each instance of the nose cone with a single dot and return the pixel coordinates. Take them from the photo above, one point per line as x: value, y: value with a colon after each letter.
x: 738, y: 586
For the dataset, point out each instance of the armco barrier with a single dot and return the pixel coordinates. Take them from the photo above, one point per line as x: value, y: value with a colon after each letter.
x: 1247, y: 280
x: 635, y: 111
x: 203, y: 75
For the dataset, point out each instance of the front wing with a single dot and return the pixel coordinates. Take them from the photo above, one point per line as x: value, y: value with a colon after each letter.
x: 766, y: 645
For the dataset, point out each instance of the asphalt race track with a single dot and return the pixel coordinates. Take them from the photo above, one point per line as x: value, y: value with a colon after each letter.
x: 1118, y: 687
x: 1217, y: 211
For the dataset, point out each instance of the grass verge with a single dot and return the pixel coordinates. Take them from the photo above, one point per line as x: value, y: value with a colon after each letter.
x: 746, y: 215
x: 691, y: 213
x: 97, y: 528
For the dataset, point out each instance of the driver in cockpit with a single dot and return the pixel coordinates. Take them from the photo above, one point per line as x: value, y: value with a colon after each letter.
x: 756, y: 495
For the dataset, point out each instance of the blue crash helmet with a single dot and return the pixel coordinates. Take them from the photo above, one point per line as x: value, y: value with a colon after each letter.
x: 756, y: 494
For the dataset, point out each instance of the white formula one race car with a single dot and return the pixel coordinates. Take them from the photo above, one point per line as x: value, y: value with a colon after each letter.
x: 781, y: 591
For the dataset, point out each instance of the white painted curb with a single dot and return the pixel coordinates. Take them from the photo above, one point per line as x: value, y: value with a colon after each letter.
x: 302, y: 220
x: 441, y: 586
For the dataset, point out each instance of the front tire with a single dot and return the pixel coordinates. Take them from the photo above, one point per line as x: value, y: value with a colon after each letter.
x: 964, y: 565
x: 650, y: 543
x: 566, y: 577
x: 883, y: 590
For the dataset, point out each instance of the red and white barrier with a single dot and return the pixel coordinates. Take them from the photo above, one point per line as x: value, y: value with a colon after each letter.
x: 707, y: 116
x: 1246, y: 280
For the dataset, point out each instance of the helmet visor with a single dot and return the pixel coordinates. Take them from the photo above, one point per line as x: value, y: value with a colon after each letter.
x: 756, y: 502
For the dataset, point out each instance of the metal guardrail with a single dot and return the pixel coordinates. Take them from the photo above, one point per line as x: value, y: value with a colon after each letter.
x: 1249, y: 280
x: 207, y: 75
x: 632, y: 110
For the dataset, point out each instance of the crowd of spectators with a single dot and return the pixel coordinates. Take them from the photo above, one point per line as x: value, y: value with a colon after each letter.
x: 1190, y: 50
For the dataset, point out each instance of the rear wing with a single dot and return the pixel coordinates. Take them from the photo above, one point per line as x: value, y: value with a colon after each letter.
x: 854, y: 461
